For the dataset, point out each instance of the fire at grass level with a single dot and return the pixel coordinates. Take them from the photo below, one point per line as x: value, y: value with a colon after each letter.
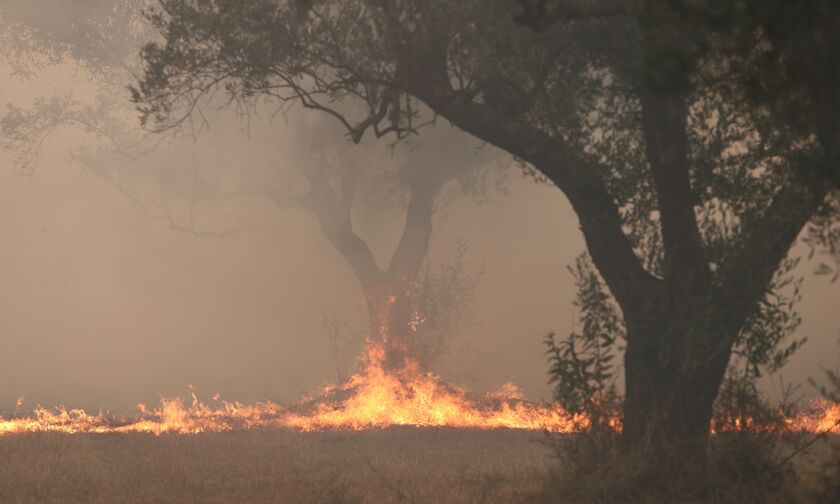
x: 373, y: 398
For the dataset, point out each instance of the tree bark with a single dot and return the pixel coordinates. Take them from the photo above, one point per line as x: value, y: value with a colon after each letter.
x: 675, y: 360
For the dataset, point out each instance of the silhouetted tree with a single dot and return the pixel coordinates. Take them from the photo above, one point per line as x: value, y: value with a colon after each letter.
x: 656, y: 119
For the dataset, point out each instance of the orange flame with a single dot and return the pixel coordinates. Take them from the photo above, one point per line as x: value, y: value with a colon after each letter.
x: 412, y: 397
x: 373, y: 398
x: 822, y: 416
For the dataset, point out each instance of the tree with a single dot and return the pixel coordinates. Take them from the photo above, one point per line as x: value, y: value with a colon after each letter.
x: 102, y: 35
x: 336, y: 174
x: 689, y: 189
x: 102, y: 39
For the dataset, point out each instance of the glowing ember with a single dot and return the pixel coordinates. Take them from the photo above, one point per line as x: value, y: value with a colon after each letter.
x: 372, y: 398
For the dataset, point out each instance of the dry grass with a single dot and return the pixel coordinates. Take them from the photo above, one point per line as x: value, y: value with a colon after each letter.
x: 394, y: 465
x: 743, y: 467
x: 397, y: 465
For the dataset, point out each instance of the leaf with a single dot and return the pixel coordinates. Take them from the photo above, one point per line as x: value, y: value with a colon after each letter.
x: 823, y: 269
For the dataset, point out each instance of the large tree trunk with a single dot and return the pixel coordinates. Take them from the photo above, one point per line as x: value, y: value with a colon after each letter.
x: 675, y: 361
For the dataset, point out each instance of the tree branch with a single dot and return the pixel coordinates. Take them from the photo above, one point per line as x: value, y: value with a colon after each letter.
x: 336, y: 224
x: 334, y: 214
x: 746, y: 275
x: 417, y: 234
x: 577, y: 177
x: 664, y: 116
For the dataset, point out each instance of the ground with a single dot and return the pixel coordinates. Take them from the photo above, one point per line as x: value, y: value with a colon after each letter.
x: 394, y: 465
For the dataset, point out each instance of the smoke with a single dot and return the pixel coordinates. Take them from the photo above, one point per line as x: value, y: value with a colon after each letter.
x: 114, y: 294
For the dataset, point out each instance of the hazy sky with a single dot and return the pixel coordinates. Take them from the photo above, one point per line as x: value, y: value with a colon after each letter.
x: 101, y: 306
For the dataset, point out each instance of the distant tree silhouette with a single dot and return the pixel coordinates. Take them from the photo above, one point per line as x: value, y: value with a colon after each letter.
x: 401, y: 315
x: 102, y: 39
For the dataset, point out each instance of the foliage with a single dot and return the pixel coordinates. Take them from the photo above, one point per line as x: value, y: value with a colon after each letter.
x: 582, y: 366
x: 764, y: 342
x: 443, y: 302
x: 101, y: 35
x: 23, y: 131
x: 762, y: 347
x: 98, y: 41
x: 823, y: 237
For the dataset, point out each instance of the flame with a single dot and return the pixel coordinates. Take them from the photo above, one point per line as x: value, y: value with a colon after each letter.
x: 821, y: 416
x: 172, y: 416
x: 411, y: 397
x: 372, y: 398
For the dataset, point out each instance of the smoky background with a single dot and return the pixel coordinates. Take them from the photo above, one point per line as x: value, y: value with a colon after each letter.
x: 106, y: 304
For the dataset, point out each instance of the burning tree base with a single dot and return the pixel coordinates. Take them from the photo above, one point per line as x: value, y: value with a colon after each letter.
x: 410, y: 397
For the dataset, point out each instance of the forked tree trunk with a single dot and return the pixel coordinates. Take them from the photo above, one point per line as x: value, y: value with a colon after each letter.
x: 387, y: 291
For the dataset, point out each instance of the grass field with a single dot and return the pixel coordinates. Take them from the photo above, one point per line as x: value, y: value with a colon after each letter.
x: 380, y: 466
x: 396, y: 465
